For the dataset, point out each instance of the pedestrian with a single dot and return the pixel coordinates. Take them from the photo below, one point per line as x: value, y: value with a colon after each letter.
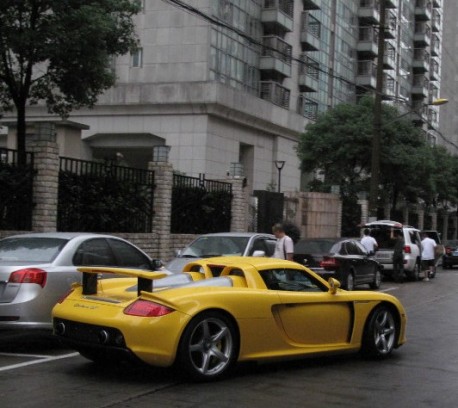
x: 369, y: 242
x: 284, y: 247
x: 398, y: 257
x: 428, y: 247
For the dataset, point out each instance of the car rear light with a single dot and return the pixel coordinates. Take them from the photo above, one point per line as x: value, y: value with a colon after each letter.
x: 29, y: 275
x: 144, y: 308
x: 330, y: 263
x: 407, y: 249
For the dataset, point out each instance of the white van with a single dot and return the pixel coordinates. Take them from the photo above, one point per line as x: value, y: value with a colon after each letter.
x: 383, y: 232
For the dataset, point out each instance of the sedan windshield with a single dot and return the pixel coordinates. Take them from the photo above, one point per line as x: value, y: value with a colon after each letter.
x: 205, y: 247
x: 30, y: 250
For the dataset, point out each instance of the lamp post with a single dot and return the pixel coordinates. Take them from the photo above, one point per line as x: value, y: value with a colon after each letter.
x: 279, y: 164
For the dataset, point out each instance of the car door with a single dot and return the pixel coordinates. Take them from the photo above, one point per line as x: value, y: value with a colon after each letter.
x: 310, y: 315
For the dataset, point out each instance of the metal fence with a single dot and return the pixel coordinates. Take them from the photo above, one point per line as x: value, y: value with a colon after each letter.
x: 16, y: 191
x: 200, y: 205
x: 102, y: 197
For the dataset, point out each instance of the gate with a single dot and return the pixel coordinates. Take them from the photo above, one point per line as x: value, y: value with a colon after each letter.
x: 101, y: 197
x: 269, y: 209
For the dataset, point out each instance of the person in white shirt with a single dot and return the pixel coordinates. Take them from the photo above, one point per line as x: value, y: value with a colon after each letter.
x: 284, y: 248
x: 428, y: 246
x: 369, y: 242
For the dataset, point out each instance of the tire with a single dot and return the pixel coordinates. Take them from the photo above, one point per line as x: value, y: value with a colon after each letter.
x: 380, y: 333
x: 350, y: 281
x: 375, y: 284
x: 208, y: 349
x: 415, y: 274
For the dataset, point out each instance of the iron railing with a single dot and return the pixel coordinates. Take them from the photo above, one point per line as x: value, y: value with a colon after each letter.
x: 200, y: 205
x: 102, y: 197
x: 16, y: 191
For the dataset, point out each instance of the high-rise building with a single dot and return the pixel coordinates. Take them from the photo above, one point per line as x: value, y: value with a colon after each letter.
x: 231, y: 84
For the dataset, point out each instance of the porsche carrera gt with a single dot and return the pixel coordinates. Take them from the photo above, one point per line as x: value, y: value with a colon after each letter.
x: 221, y: 311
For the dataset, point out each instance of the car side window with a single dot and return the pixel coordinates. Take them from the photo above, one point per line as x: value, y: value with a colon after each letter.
x: 128, y: 256
x: 94, y: 252
x: 292, y: 280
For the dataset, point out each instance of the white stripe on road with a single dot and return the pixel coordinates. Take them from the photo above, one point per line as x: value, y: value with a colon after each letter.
x: 390, y: 289
x: 43, y: 359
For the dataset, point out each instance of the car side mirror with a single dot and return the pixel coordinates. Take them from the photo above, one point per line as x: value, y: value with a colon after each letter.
x: 334, y: 284
x: 259, y: 253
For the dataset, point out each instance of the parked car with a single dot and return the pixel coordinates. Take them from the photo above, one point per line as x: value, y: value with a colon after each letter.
x: 450, y: 257
x: 344, y: 259
x: 257, y: 309
x: 383, y: 232
x: 224, y: 244
x: 37, y: 269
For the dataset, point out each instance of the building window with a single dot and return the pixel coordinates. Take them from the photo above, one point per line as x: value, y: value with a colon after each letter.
x: 137, y: 58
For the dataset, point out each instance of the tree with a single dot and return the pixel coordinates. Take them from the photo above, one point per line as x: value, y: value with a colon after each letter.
x: 59, y: 52
x: 339, y: 143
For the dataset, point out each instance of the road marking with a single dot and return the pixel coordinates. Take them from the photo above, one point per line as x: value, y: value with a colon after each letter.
x: 390, y: 289
x: 42, y: 359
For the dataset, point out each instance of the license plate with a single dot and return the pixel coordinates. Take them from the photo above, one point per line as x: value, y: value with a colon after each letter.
x: 383, y: 255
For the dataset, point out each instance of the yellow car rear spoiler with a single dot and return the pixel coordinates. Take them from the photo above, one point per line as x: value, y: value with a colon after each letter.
x: 145, y: 278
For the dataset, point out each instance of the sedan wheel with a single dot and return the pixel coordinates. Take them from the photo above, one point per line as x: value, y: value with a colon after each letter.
x: 380, y: 333
x: 209, y: 346
x: 377, y: 280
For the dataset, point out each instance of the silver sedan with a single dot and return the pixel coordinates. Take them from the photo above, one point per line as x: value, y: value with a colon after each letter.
x: 37, y: 269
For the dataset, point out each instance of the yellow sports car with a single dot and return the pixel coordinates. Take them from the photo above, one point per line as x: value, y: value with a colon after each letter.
x: 223, y: 310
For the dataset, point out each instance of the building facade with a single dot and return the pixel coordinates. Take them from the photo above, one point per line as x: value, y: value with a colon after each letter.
x: 230, y: 85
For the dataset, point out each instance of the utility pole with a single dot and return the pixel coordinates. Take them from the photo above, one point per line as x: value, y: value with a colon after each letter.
x: 377, y: 123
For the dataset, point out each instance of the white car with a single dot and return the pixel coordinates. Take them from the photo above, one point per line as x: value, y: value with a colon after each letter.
x: 224, y: 244
x: 383, y: 232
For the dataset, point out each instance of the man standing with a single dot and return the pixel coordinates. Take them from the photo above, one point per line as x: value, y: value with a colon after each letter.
x: 398, y: 257
x: 284, y: 248
x: 428, y: 246
x: 369, y: 242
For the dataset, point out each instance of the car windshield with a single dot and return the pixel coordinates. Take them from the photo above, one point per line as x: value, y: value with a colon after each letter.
x: 314, y: 246
x: 204, y: 247
x: 30, y: 250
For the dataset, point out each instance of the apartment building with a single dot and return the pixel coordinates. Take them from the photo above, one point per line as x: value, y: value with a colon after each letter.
x: 230, y: 85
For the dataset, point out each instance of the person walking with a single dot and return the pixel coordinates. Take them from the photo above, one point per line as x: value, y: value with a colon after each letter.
x: 428, y: 247
x: 369, y: 242
x: 284, y: 247
x: 398, y: 257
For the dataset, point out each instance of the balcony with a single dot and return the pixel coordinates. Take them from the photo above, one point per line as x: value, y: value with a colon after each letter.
x: 308, y: 107
x: 422, y: 34
x: 309, y: 73
x: 437, y: 3
x: 421, y: 60
x: 419, y: 112
x: 368, y: 12
x: 390, y: 24
x: 366, y: 74
x: 391, y: 4
x: 389, y: 58
x: 311, y: 4
x: 277, y: 15
x: 433, y: 92
x: 433, y: 118
x: 310, y: 32
x: 436, y: 23
x: 435, y: 46
x: 434, y: 73
x: 276, y: 57
x: 368, y: 42
x: 273, y: 92
x: 423, y: 9
x: 389, y: 86
x: 420, y: 85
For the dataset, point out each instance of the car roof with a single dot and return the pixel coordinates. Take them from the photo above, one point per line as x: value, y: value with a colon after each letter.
x: 62, y: 235
x: 238, y: 234
x: 389, y: 223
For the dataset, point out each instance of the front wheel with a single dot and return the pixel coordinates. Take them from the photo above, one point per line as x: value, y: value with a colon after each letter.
x: 379, y: 336
x: 209, y: 346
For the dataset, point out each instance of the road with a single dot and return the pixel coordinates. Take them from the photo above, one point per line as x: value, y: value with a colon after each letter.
x: 37, y: 372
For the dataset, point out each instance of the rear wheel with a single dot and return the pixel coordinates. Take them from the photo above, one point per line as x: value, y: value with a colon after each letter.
x: 375, y: 284
x: 415, y: 274
x: 209, y: 346
x: 379, y: 337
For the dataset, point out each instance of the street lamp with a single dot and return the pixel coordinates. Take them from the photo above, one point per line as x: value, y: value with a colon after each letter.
x: 279, y: 164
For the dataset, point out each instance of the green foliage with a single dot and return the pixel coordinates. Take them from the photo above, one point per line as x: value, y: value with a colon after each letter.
x: 340, y: 144
x: 60, y: 52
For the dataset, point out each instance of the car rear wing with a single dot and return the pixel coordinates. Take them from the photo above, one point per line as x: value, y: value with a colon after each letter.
x: 144, y: 278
